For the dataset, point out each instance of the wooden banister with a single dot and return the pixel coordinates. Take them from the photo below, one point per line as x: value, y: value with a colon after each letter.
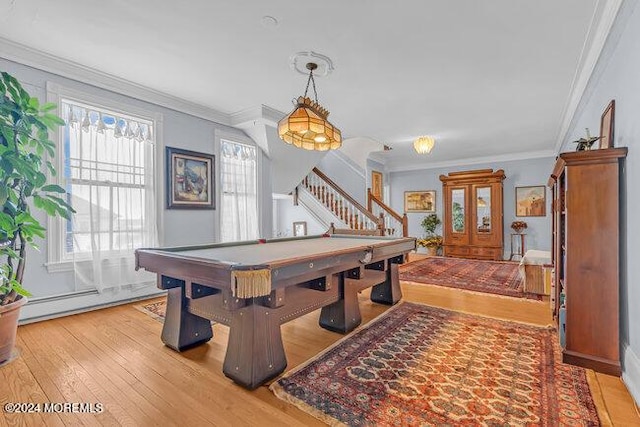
x: 345, y: 195
x: 372, y: 198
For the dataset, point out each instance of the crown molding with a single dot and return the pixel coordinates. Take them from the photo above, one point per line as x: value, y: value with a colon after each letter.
x: 46, y: 62
x: 263, y: 113
x: 603, y: 18
x: 474, y: 161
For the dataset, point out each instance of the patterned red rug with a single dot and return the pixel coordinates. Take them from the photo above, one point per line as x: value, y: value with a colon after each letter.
x: 493, y: 277
x: 420, y: 365
x: 155, y: 309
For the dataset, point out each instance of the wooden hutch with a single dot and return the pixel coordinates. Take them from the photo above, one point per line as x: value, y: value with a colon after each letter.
x: 586, y: 255
x: 473, y: 214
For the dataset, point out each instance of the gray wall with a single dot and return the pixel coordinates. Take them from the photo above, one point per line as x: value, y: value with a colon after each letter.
x: 346, y: 174
x: 518, y: 173
x: 617, y: 76
x: 180, y: 227
x: 285, y: 214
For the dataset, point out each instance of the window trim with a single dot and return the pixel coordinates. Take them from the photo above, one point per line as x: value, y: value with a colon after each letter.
x: 56, y: 260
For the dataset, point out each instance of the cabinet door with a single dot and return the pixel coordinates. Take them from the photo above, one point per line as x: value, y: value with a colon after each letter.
x: 486, y: 211
x: 481, y: 217
x: 458, y: 216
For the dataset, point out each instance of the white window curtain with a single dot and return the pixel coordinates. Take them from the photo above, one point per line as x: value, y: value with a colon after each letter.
x: 239, y: 180
x: 109, y: 166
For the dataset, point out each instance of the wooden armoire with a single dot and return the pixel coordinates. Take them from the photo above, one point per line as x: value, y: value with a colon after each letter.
x: 473, y: 214
x: 586, y: 255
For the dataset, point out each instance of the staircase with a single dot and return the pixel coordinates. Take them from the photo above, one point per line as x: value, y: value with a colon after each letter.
x: 393, y: 223
x: 319, y: 193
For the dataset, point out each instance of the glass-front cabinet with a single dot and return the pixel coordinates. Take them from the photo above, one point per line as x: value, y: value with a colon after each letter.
x: 458, y: 204
x: 473, y: 214
x: 483, y: 209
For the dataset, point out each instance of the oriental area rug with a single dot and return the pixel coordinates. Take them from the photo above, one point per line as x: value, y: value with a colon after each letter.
x: 420, y: 365
x: 154, y: 309
x: 493, y: 277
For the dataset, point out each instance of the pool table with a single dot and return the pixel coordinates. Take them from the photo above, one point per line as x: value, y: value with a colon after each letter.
x: 254, y: 287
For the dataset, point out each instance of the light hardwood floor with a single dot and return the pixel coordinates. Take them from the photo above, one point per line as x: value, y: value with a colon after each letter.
x: 114, y: 356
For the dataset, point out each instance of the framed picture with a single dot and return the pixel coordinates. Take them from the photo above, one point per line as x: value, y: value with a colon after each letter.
x: 190, y: 182
x: 300, y: 228
x: 376, y: 184
x: 531, y: 201
x: 606, y: 125
x: 420, y: 201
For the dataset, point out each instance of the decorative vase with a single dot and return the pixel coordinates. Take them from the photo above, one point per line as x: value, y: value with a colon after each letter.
x: 9, y: 315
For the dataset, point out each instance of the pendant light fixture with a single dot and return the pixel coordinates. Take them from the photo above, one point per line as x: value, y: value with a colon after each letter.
x: 307, y: 125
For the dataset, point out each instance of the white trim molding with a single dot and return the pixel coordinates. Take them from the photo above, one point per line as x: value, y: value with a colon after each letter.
x: 631, y: 372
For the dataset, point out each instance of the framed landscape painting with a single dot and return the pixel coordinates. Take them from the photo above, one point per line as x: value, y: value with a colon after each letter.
x: 190, y: 183
x: 531, y: 201
x: 420, y: 201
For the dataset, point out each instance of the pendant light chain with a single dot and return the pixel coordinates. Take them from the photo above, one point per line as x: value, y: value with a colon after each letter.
x: 311, y: 80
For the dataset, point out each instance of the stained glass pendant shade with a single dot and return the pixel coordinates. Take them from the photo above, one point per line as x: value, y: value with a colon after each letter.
x: 307, y: 125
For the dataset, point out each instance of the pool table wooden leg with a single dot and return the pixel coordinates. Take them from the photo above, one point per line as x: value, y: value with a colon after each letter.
x: 343, y: 315
x: 255, y: 353
x: 388, y: 292
x: 182, y: 329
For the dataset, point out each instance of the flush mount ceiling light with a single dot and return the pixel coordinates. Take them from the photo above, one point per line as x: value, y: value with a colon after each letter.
x: 424, y: 144
x: 307, y: 125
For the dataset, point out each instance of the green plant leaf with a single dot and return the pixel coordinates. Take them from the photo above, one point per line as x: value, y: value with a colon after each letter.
x: 19, y: 289
x: 48, y: 107
x: 53, y: 188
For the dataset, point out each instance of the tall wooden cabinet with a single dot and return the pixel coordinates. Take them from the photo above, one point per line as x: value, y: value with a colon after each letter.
x: 473, y: 214
x: 586, y: 248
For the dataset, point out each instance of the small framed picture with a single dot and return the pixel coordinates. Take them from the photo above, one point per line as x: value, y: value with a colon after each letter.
x: 606, y: 125
x: 420, y: 201
x: 190, y: 182
x: 300, y: 228
x: 531, y: 201
x: 376, y: 184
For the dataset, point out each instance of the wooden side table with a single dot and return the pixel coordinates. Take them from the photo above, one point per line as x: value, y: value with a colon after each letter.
x: 517, y: 248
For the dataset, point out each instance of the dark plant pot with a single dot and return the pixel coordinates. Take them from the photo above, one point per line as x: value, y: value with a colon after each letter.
x: 9, y: 315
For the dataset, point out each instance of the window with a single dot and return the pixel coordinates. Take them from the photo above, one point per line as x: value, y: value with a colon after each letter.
x: 109, y: 173
x: 239, y: 193
x: 106, y: 160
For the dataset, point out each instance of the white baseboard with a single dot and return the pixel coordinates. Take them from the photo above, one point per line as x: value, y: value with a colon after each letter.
x: 631, y: 372
x: 51, y: 308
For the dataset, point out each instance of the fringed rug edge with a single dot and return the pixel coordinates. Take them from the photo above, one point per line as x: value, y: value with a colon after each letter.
x: 281, y: 394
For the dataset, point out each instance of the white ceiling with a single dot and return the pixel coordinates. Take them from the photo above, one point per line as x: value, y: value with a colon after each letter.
x: 485, y: 77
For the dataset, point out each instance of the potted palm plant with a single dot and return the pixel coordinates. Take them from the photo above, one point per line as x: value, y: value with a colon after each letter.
x: 24, y: 141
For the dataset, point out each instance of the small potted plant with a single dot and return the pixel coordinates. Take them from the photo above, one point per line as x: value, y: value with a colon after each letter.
x: 432, y: 241
x: 518, y: 226
x: 24, y: 140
